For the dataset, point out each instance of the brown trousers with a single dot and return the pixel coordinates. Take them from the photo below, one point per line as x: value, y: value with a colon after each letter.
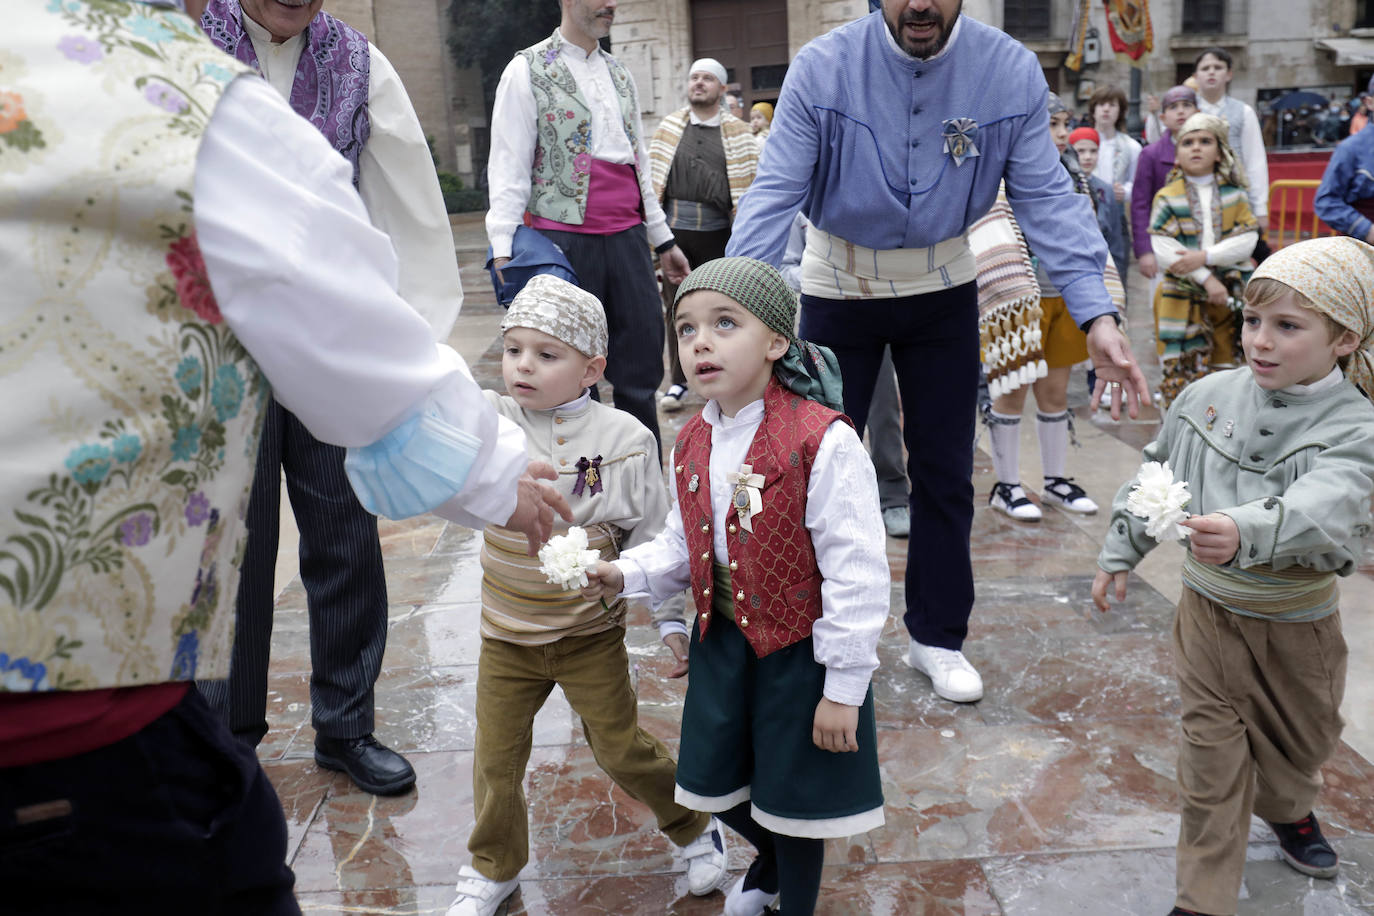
x: 512, y: 684
x: 1261, y: 714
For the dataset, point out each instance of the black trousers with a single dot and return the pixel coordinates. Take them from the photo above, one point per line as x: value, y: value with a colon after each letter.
x: 934, y: 343
x: 345, y: 587
x: 618, y: 269
x: 177, y: 818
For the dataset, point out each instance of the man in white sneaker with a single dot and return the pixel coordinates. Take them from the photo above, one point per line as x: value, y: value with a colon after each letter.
x: 700, y: 161
x: 892, y: 135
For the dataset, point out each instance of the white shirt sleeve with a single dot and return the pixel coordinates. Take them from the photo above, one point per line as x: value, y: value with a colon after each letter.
x: 659, y: 569
x: 308, y: 285
x: 844, y: 517
x: 1167, y: 251
x: 1235, y: 250
x: 655, y: 221
x: 1256, y: 162
x: 513, y: 138
x: 398, y: 184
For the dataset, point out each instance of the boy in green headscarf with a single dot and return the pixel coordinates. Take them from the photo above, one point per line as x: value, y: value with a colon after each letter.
x: 778, y: 535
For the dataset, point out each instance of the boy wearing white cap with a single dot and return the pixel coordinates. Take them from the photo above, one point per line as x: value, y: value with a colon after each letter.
x: 535, y: 634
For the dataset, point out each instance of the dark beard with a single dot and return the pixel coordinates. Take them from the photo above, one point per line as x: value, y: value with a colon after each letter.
x: 930, y: 47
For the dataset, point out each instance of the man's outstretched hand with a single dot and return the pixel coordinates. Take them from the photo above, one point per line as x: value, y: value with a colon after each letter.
x: 536, y: 504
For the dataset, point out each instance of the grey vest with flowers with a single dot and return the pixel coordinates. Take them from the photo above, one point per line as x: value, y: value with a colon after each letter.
x: 561, y: 169
x: 127, y: 441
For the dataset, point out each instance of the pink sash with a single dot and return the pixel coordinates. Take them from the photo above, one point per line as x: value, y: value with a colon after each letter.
x: 614, y: 203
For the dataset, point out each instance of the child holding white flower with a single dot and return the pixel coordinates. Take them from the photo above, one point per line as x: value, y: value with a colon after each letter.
x: 1279, y: 458
x: 537, y: 634
x: 777, y: 532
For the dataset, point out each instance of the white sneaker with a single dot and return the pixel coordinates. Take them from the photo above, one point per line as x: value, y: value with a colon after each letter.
x: 478, y: 895
x: 950, y: 673
x: 752, y: 901
x: 672, y: 400
x: 1064, y: 493
x: 706, y: 860
x: 897, y: 521
x: 1011, y: 500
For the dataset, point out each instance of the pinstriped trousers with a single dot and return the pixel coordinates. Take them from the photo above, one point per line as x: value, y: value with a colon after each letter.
x: 618, y: 269
x: 345, y: 587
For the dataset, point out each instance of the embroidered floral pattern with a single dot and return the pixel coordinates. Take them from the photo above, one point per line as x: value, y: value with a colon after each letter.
x: 16, y: 130
x: 192, y: 282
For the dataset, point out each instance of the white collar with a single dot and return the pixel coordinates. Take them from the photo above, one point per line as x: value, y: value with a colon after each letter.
x: 1202, y: 180
x: 749, y: 414
x: 953, y: 37
x: 572, y: 49
x: 578, y: 403
x: 713, y: 121
x: 261, y: 35
x: 1330, y: 380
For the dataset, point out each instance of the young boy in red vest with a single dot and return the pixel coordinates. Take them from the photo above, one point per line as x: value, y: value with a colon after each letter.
x: 778, y: 535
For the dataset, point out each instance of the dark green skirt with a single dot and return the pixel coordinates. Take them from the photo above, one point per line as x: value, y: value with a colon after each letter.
x: 746, y: 735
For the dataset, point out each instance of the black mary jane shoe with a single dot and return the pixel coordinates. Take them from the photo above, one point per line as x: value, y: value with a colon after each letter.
x: 373, y: 766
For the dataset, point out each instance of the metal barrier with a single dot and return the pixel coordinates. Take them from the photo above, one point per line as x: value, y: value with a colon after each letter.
x: 1291, y: 217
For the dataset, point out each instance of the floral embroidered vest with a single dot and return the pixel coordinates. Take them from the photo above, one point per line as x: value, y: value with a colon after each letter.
x: 562, y: 155
x: 131, y: 423
x: 331, y: 85
x: 773, y: 571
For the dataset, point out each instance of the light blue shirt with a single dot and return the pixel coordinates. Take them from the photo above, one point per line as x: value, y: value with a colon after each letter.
x: 857, y: 144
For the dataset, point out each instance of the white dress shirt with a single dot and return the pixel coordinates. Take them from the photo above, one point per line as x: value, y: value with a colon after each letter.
x: 846, y: 526
x: 396, y: 179
x: 1252, y: 155
x: 308, y: 285
x: 514, y: 134
x: 1232, y: 252
x: 1107, y: 168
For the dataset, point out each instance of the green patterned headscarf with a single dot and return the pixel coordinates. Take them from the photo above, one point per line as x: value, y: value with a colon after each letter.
x: 805, y: 369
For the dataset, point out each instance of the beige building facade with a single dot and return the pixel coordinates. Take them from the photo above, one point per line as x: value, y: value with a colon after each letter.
x: 1278, y: 45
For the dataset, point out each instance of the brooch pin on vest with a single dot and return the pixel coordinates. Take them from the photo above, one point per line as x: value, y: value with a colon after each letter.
x: 1229, y: 428
x: 693, y: 484
x: 588, y: 475
x: 959, y: 135
x: 1210, y: 415
x: 747, y: 499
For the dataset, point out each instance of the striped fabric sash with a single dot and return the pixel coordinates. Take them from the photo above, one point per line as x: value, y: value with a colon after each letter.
x: 834, y: 268
x: 520, y: 606
x: 1291, y: 595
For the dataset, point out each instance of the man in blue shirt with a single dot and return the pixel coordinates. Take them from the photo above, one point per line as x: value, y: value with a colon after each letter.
x: 1345, y: 199
x: 892, y: 134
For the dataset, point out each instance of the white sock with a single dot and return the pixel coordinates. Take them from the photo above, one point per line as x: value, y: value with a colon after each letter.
x: 1004, y: 434
x: 1053, y: 430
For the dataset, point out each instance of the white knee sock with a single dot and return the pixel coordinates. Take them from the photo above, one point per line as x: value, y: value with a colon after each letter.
x: 1053, y: 430
x: 1004, y: 434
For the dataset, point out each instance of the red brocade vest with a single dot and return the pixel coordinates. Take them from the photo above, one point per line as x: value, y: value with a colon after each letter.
x: 773, y: 571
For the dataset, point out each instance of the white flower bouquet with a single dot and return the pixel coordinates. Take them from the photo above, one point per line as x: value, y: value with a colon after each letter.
x: 1160, y: 500
x: 566, y: 559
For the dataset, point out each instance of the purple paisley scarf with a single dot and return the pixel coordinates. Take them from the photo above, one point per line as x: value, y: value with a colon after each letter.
x: 330, y: 88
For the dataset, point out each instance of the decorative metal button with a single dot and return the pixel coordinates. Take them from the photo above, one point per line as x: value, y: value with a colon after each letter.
x: 706, y: 592
x: 706, y: 556
x: 744, y: 620
x: 679, y: 469
x: 733, y: 566
x: 562, y: 441
x: 706, y: 616
x: 705, y: 527
x: 732, y: 529
x: 558, y: 420
x: 562, y: 461
x: 739, y: 595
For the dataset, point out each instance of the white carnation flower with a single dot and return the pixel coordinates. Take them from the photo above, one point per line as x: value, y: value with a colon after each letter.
x: 1160, y: 500
x: 565, y: 559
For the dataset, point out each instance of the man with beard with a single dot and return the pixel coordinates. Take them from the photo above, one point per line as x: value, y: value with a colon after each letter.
x: 567, y: 146
x: 893, y: 133
x: 330, y: 74
x: 700, y: 161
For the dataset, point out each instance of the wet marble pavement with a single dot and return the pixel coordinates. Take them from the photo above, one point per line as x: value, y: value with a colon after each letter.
x: 1054, y: 795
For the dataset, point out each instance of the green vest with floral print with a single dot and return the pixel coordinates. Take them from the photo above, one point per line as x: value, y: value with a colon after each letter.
x: 131, y: 417
x: 562, y: 152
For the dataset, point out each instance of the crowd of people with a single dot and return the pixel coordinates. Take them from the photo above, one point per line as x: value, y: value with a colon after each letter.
x: 237, y: 266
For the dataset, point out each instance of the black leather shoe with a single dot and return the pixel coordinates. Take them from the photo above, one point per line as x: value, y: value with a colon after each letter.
x: 1305, y: 849
x: 375, y: 767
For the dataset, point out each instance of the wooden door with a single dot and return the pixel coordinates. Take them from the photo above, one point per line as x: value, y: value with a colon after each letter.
x: 749, y: 38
